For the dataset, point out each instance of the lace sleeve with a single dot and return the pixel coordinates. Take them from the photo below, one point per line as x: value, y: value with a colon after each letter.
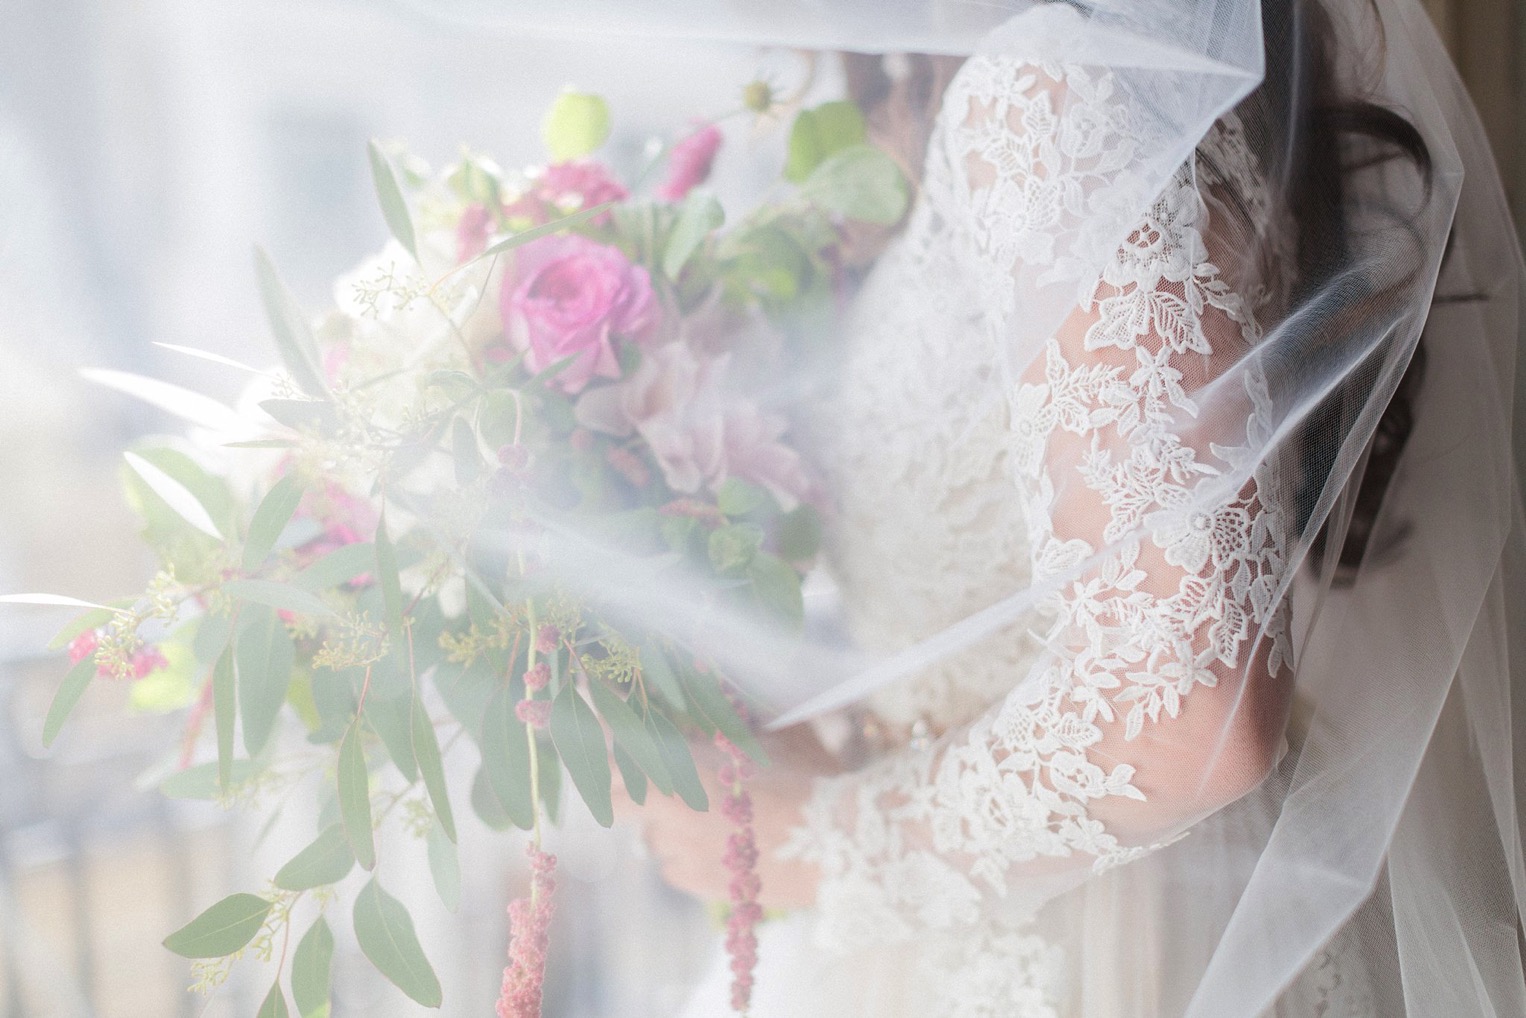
x: 1164, y: 684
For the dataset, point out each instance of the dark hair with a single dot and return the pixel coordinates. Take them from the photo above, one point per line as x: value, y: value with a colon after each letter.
x: 1334, y: 136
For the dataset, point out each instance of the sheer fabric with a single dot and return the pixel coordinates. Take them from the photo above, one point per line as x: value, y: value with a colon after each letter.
x: 1146, y: 756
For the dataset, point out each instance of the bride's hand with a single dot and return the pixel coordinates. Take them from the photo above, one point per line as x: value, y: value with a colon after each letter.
x: 689, y: 846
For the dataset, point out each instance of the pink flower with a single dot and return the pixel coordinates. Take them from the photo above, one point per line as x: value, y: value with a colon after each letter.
x: 699, y: 434
x: 83, y: 646
x: 690, y: 162
x: 568, y: 296
x: 472, y: 232
x: 529, y: 920
x: 741, y: 860
x: 536, y: 713
x: 146, y: 660
x: 580, y: 184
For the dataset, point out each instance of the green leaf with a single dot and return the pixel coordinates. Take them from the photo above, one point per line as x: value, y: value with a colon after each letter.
x: 355, y: 797
x: 580, y: 743
x: 211, y: 637
x: 222, y: 929
x: 859, y: 182
x: 293, y: 336
x: 224, y: 707
x: 506, y: 759
x: 734, y: 546
x: 736, y: 497
x: 275, y: 509
x: 92, y: 619
x: 175, y: 495
x: 385, y: 933
x: 444, y: 867
x: 819, y: 132
x: 576, y: 125
x: 274, y: 1005
x: 391, y: 717
x: 631, y: 736
x: 658, y: 673
x: 486, y: 805
x: 680, y: 763
x: 544, y: 230
x: 327, y: 860
x: 277, y: 595
x: 390, y: 196
x: 203, y: 781
x: 700, y: 215
x: 391, y: 588
x: 341, y: 565
x: 426, y: 750
x: 64, y: 701
x: 711, y: 703
x: 464, y: 449
x: 303, y: 414
x: 630, y: 774
x: 265, y: 655
x: 550, y: 772
x: 776, y: 586
x: 310, y: 970
x: 799, y: 536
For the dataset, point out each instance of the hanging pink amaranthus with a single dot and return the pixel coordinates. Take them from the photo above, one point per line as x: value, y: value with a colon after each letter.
x: 741, y: 859
x: 529, y: 923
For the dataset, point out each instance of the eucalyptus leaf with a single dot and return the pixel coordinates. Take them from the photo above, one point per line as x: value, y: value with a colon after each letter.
x: 384, y: 930
x: 342, y: 565
x: 580, y: 743
x: 270, y: 518
x: 303, y: 414
x: 390, y: 196
x: 631, y: 736
x: 310, y: 968
x: 391, y: 587
x: 444, y: 867
x: 544, y: 230
x: 710, y: 701
x: 224, y: 708
x: 426, y: 750
x: 506, y: 759
x: 226, y: 927
x: 288, y: 324
x: 212, y: 636
x: 175, y: 495
x: 265, y: 655
x: 679, y: 761
x: 631, y: 776
x: 68, y: 695
x: 202, y: 781
x: 776, y: 586
x: 486, y: 805
x: 700, y: 215
x: 391, y: 717
x: 274, y: 1005
x: 93, y: 618
x: 658, y: 674
x: 355, y: 797
x: 278, y: 595
x: 327, y: 860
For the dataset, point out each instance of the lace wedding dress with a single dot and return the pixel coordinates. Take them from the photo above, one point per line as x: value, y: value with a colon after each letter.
x: 1002, y: 792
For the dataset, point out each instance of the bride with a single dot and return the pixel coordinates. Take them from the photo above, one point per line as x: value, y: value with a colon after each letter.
x: 1176, y: 509
x: 1176, y: 528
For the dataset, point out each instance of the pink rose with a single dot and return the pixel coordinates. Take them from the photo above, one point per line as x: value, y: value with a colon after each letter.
x: 689, y: 164
x: 699, y: 434
x: 568, y: 296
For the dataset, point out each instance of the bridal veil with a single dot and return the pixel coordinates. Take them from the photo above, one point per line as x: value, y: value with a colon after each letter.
x: 1386, y: 815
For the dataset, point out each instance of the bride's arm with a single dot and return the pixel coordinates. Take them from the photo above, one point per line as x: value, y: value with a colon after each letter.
x: 1165, y: 686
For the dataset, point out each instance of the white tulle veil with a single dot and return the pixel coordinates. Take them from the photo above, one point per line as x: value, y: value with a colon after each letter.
x: 1394, y: 817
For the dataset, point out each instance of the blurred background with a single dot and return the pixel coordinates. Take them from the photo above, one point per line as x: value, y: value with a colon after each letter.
x: 145, y: 145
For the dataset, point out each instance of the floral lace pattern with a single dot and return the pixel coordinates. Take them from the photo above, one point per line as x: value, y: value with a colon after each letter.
x: 1095, y: 466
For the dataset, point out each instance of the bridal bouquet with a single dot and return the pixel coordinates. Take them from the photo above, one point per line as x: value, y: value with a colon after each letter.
x: 435, y: 541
